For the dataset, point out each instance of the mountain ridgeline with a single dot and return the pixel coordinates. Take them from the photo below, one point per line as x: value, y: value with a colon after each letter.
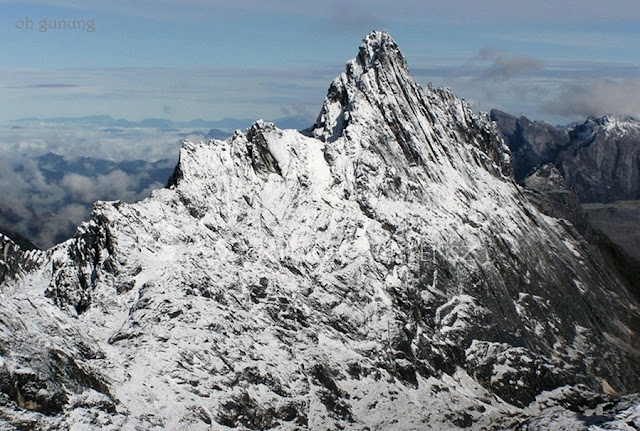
x: 379, y: 270
x: 599, y: 159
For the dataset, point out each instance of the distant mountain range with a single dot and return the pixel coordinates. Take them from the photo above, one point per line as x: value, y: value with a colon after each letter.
x: 114, y: 125
x: 599, y: 159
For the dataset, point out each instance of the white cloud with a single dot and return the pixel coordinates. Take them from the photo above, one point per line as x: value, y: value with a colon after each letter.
x: 47, y: 209
x: 597, y: 98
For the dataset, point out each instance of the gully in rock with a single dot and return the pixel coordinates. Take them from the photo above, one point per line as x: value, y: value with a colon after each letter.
x: 274, y: 284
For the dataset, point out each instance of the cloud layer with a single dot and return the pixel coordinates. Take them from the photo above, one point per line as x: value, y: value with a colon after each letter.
x: 46, y: 196
x: 180, y: 92
x: 47, y: 210
x: 597, y: 97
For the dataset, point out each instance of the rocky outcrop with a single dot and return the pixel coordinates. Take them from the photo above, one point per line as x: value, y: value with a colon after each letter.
x: 599, y: 159
x: 20, y: 240
x: 45, y: 365
x: 547, y: 189
x: 15, y: 260
x: 532, y: 143
x: 380, y: 271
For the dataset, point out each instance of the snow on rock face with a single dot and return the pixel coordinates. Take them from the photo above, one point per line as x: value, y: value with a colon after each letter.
x: 599, y: 159
x: 14, y: 261
x: 375, y: 104
x: 383, y: 272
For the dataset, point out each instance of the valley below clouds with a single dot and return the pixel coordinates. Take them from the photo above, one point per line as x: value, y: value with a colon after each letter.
x: 53, y: 170
x: 52, y: 173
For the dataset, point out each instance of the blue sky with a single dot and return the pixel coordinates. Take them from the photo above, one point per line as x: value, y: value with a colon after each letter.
x: 555, y: 60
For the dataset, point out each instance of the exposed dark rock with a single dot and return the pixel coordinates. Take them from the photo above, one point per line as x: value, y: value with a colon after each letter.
x: 381, y: 271
x: 599, y: 159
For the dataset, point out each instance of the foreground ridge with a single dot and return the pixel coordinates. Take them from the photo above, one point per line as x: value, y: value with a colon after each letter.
x: 380, y: 271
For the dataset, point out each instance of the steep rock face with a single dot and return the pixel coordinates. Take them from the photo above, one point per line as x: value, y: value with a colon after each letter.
x: 599, y: 159
x: 380, y: 271
x: 45, y: 358
x: 532, y: 143
x: 375, y: 104
x: 620, y: 221
x: 618, y: 237
x: 547, y: 189
x: 45, y: 365
x: 15, y: 260
x: 593, y: 162
x: 604, y: 162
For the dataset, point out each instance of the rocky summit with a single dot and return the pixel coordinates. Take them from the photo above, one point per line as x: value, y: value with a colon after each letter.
x: 380, y: 270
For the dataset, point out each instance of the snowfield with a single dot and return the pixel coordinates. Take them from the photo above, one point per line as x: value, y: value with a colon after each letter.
x: 381, y: 270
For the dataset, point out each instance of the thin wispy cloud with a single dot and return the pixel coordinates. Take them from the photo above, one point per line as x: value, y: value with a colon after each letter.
x: 558, y: 91
x: 47, y: 85
x: 597, y: 97
x: 179, y: 92
x: 496, y: 64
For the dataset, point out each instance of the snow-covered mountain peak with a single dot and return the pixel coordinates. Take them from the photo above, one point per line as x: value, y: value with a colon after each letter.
x: 374, y: 77
x: 620, y: 124
x: 614, y: 134
x: 376, y: 107
x: 380, y: 271
x: 379, y: 50
x: 611, y: 122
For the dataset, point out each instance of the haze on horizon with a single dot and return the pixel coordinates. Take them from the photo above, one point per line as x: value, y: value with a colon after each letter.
x: 557, y: 61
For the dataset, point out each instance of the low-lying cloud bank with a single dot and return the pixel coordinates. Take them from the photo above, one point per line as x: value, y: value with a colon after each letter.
x: 46, y: 198
x: 53, y: 170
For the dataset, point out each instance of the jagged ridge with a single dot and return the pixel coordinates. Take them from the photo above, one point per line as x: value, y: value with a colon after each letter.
x: 600, y: 158
x: 383, y: 271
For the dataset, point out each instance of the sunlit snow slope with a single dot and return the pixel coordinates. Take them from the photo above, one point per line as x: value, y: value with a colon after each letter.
x: 380, y: 271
